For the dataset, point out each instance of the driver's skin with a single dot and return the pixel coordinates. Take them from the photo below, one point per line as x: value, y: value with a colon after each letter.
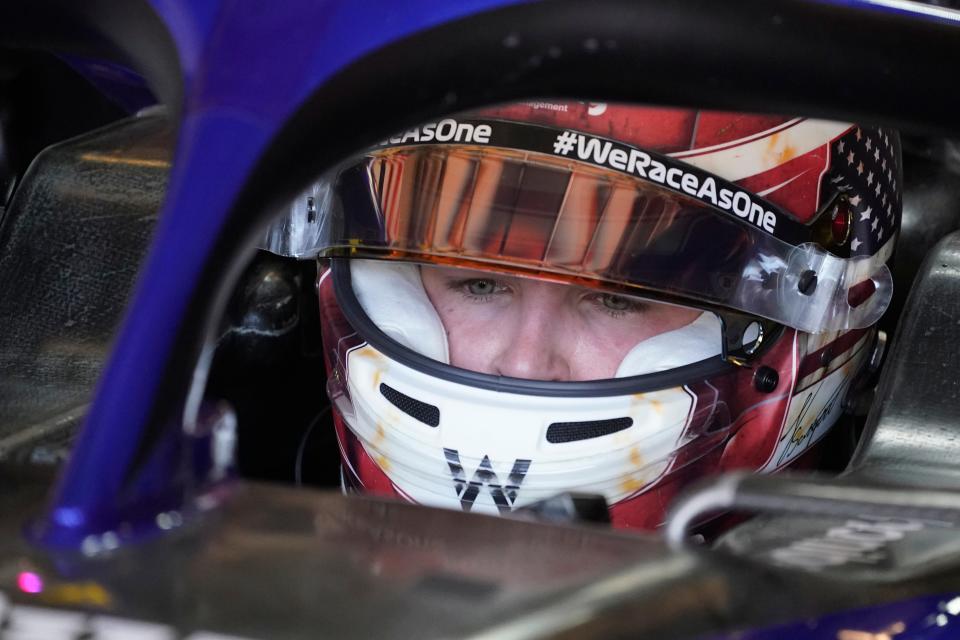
x: 532, y: 329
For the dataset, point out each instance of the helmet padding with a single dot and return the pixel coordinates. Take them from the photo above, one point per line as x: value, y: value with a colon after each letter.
x: 392, y: 295
x: 699, y: 340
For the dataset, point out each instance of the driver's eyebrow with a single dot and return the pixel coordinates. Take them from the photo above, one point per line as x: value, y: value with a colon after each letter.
x: 466, y: 274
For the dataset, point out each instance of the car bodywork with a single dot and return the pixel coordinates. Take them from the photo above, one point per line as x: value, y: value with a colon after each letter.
x: 263, y: 99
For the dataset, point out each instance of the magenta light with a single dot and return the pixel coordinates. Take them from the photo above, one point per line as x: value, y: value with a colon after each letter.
x: 29, y: 582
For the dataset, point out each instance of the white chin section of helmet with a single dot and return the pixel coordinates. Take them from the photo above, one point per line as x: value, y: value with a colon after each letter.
x: 392, y: 295
x: 447, y: 444
x: 694, y: 342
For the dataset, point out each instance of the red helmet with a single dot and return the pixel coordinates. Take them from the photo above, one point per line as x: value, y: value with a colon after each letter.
x: 555, y: 296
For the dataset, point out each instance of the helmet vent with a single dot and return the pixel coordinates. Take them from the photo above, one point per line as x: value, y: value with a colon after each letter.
x: 425, y: 413
x: 573, y: 431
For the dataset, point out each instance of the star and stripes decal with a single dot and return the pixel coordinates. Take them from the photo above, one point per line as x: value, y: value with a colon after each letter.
x: 864, y: 167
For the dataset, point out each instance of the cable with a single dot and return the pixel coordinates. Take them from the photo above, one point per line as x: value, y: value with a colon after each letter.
x: 297, y: 479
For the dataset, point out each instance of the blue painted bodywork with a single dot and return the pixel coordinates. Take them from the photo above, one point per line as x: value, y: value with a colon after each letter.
x: 246, y: 67
x: 928, y: 618
x: 900, y: 7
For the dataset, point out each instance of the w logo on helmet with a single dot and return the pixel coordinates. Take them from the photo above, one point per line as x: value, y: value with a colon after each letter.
x: 485, y: 476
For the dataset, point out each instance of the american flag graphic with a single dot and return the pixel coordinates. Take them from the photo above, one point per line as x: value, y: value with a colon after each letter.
x: 865, y: 169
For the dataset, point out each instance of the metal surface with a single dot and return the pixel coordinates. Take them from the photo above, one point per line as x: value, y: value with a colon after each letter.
x: 913, y: 433
x: 279, y: 563
x: 908, y: 458
x: 931, y: 181
x: 71, y: 243
x: 799, y: 495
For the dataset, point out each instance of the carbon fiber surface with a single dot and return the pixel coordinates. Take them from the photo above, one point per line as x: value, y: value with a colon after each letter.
x: 70, y: 245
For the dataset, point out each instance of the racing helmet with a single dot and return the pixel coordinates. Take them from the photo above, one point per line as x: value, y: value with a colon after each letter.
x: 544, y: 297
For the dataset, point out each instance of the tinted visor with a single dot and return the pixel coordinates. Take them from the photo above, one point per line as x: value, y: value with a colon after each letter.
x: 539, y: 213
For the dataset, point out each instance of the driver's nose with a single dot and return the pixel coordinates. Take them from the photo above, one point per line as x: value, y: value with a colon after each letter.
x: 534, y: 341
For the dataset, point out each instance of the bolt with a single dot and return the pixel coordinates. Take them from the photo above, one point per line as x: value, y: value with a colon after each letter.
x: 808, y: 282
x: 766, y: 379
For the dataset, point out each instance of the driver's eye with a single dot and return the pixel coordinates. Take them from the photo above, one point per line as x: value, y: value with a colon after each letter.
x: 615, y: 303
x: 481, y: 287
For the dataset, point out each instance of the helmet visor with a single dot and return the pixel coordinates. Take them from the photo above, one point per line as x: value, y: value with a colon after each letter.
x: 650, y: 224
